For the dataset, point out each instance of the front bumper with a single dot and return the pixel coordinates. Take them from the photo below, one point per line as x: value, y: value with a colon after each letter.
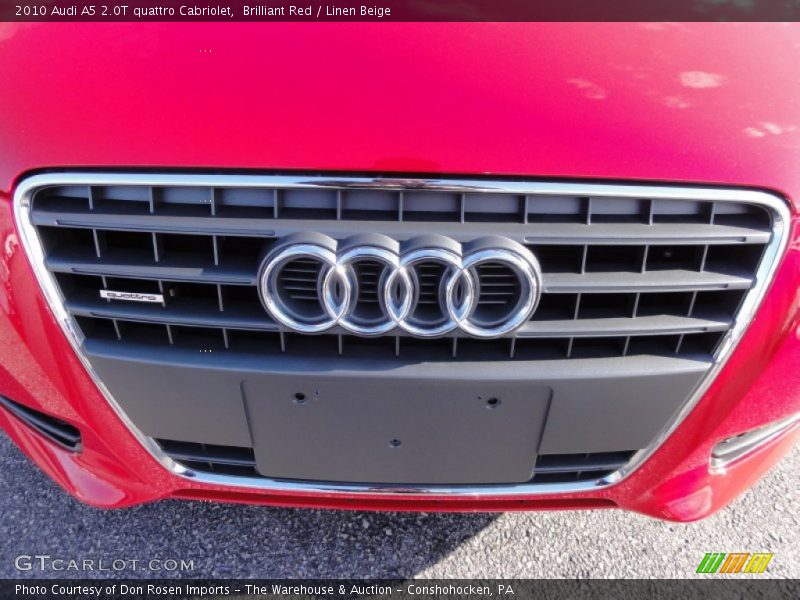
x: 757, y: 386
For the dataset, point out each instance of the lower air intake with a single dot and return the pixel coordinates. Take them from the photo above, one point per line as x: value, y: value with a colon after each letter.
x: 57, y: 431
x: 241, y: 462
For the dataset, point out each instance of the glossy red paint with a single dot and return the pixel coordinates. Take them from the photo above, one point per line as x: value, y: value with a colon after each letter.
x: 689, y: 103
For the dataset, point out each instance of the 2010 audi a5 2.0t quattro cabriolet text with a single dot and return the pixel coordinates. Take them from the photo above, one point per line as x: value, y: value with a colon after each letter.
x: 406, y: 267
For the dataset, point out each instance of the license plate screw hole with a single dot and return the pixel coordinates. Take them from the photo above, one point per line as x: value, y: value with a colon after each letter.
x: 395, y: 443
x: 299, y: 398
x: 493, y: 402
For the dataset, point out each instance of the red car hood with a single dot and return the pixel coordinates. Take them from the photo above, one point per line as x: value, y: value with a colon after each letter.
x: 710, y: 103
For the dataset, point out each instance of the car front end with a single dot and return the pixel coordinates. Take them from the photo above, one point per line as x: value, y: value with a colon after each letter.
x: 401, y: 267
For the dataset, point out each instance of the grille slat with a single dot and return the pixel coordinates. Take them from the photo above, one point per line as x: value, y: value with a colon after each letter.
x: 637, y: 274
x: 136, y: 265
x: 605, y: 462
x: 252, y: 318
x: 655, y: 281
x: 661, y: 324
x: 752, y: 232
x: 217, y: 456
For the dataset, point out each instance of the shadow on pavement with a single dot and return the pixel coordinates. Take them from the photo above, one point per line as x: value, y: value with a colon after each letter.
x: 221, y: 540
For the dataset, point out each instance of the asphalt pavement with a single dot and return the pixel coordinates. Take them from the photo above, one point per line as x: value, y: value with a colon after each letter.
x: 218, y: 540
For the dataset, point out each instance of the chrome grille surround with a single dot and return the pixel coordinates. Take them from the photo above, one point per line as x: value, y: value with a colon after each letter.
x: 524, y: 192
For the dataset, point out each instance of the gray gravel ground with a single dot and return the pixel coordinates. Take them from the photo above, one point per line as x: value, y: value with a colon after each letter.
x: 36, y: 517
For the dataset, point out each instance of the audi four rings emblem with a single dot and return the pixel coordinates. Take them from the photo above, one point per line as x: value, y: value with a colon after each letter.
x: 332, y: 294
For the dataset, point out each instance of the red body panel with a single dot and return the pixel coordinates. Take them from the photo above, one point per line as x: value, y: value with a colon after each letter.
x: 689, y: 103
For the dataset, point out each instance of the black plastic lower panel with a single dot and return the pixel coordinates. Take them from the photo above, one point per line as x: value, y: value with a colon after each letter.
x: 335, y: 420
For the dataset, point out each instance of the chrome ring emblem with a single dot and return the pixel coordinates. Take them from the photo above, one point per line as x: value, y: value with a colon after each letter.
x: 395, y: 301
x: 308, y: 255
x: 427, y: 291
